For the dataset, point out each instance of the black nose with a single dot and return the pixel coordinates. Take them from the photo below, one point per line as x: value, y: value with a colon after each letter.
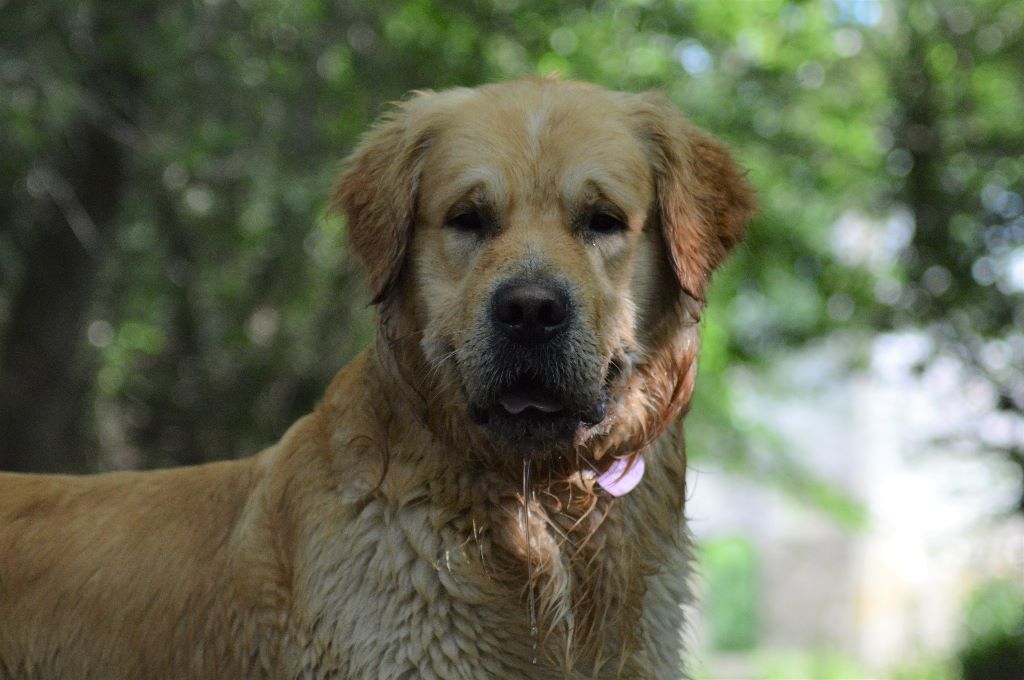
x: 530, y: 313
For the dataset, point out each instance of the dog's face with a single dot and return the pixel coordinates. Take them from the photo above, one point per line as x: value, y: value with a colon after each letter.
x: 530, y: 227
x: 545, y: 236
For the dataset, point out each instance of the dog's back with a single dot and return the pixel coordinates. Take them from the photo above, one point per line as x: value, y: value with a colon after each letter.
x: 128, y: 570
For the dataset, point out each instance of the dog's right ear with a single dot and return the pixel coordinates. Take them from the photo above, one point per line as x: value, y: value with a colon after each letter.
x: 377, y: 192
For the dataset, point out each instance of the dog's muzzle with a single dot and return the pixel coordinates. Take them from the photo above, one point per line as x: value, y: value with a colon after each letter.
x: 537, y: 374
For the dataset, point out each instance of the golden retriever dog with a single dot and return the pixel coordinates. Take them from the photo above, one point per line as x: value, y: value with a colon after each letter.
x: 493, y: 489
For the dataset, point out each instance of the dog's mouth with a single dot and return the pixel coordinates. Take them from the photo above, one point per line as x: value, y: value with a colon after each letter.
x: 527, y: 397
x: 530, y: 413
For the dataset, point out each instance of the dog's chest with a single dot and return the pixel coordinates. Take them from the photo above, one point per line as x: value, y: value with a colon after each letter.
x: 416, y: 592
x: 409, y: 595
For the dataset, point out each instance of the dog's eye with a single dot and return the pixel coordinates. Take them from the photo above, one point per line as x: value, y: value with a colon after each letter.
x: 470, y: 221
x: 606, y: 223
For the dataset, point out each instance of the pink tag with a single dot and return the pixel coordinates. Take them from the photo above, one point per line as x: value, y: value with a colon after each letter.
x: 618, y: 481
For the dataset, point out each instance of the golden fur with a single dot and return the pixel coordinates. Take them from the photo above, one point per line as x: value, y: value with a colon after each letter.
x: 387, y: 534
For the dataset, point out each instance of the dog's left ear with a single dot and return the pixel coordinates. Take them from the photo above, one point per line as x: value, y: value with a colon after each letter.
x: 703, y: 198
x: 377, y: 192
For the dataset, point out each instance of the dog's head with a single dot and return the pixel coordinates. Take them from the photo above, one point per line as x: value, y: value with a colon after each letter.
x: 548, y: 244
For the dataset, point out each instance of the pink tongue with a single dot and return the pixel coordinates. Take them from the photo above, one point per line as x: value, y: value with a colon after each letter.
x: 618, y: 480
x: 518, y: 401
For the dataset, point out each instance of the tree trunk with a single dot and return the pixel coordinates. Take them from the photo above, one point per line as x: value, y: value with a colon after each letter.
x: 46, y: 374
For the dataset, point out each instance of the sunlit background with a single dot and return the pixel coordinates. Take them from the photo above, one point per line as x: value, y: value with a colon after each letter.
x: 172, y: 292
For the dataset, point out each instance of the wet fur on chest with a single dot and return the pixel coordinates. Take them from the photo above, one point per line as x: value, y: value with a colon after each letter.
x: 452, y: 564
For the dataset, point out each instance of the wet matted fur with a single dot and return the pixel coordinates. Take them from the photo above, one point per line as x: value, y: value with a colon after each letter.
x: 539, y: 252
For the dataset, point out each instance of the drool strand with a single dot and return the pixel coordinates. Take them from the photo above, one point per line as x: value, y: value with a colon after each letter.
x: 531, y: 595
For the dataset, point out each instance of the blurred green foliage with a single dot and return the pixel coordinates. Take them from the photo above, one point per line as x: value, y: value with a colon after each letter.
x: 808, y: 666
x: 993, y: 631
x: 217, y: 299
x: 729, y: 570
x: 929, y: 669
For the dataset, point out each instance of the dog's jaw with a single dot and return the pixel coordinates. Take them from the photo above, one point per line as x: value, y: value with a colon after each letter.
x: 532, y: 421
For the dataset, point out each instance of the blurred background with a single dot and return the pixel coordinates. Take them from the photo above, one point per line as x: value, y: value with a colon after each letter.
x: 172, y: 291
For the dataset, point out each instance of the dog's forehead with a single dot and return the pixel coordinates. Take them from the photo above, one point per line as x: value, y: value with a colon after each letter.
x: 548, y: 141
